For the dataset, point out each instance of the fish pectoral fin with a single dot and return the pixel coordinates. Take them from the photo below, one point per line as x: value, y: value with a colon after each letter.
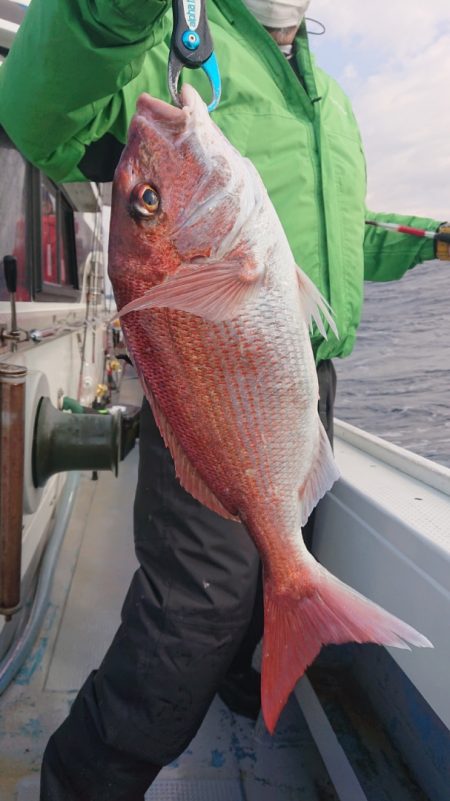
x: 314, y: 305
x: 215, y: 291
x: 323, y: 474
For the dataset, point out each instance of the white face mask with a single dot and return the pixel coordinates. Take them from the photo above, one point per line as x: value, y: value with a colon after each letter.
x: 278, y: 13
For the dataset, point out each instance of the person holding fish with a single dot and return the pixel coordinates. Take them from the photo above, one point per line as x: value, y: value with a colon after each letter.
x: 234, y: 444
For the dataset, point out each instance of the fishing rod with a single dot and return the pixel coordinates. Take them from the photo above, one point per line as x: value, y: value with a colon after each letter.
x: 407, y: 229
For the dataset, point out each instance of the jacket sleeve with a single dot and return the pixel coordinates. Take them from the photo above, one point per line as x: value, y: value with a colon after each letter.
x: 62, y: 84
x: 387, y: 254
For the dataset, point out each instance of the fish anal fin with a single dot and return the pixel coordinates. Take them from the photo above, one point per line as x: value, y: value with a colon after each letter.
x: 186, y: 473
x: 321, y: 478
x: 214, y: 290
x: 315, y: 307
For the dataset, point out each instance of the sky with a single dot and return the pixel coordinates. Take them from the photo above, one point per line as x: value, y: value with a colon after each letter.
x: 392, y: 58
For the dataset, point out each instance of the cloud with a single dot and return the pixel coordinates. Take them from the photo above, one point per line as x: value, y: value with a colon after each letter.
x: 396, y: 27
x: 405, y: 122
x: 350, y: 73
x: 395, y: 65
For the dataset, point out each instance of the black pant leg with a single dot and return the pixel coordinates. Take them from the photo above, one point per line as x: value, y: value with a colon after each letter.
x: 243, y: 658
x: 80, y: 765
x: 187, y: 609
x: 327, y: 394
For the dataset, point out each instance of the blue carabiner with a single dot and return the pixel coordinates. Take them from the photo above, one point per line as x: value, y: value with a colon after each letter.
x: 211, y: 68
x: 191, y: 46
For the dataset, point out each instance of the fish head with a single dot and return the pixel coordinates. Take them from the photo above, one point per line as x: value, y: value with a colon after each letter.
x: 181, y: 193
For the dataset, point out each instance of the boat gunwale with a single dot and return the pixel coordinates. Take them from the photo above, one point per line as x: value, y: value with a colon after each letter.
x: 431, y: 473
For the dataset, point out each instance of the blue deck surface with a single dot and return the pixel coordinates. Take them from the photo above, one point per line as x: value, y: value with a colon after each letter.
x: 234, y: 759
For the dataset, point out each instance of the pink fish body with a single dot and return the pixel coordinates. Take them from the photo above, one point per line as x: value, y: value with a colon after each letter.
x: 216, y: 314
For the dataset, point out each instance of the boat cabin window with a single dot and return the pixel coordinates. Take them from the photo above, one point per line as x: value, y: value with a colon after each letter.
x: 38, y: 227
x: 13, y: 216
x: 58, y: 265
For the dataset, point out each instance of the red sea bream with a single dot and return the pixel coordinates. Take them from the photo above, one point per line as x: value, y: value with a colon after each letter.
x: 215, y: 313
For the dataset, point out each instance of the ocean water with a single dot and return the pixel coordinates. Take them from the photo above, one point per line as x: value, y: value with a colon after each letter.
x: 396, y: 383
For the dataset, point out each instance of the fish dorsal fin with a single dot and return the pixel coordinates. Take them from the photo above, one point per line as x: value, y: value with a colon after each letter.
x: 323, y: 474
x: 314, y: 305
x: 214, y: 290
x: 186, y: 473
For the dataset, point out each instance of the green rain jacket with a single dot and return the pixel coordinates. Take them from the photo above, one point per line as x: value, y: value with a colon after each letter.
x: 68, y: 90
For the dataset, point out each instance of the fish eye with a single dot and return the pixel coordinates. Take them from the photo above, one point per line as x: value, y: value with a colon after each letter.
x: 145, y: 200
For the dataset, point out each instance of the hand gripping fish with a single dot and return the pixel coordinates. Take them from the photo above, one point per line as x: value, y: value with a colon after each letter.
x: 216, y: 313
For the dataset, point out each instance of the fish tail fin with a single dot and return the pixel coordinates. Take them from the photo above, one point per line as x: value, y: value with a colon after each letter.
x: 295, y: 628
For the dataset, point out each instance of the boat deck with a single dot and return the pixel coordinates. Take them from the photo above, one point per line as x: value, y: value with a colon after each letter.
x: 232, y: 758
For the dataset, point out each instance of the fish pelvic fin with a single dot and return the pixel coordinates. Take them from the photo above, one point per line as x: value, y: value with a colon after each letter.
x: 296, y: 628
x: 185, y: 471
x: 315, y: 308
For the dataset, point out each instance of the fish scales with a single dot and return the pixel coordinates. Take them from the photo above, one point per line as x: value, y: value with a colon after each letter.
x: 216, y: 313
x: 224, y: 402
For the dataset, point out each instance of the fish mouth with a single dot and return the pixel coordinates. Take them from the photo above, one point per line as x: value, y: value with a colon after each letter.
x: 160, y: 113
x: 166, y: 116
